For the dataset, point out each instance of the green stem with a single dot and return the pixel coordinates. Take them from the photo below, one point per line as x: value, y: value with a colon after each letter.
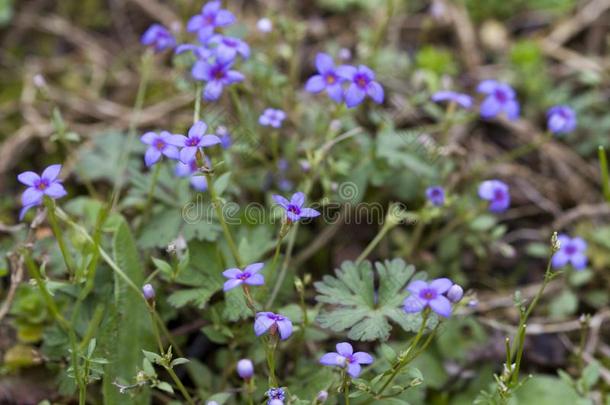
x: 151, y: 192
x: 133, y: 123
x: 603, y: 165
x: 59, y: 236
x: 271, y: 345
x: 382, y: 232
x: 282, y: 274
x: 180, y: 386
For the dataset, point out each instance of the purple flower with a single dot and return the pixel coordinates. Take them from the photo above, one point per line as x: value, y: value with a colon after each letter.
x: 268, y: 321
x: 225, y: 137
x: 211, y: 17
x: 200, y: 52
x: 39, y: 186
x: 327, y: 78
x: 272, y: 118
x: 228, y: 47
x: 249, y: 276
x: 561, y: 119
x: 345, y: 357
x: 362, y: 83
x: 158, y: 37
x: 496, y: 192
x: 216, y: 74
x: 455, y: 293
x: 425, y: 294
x: 148, y: 291
x: 571, y: 250
x: 500, y: 98
x: 275, y: 394
x: 322, y: 396
x: 436, y: 195
x: 275, y: 402
x: 198, y: 180
x: 195, y: 141
x: 158, y: 144
x: 294, y: 208
x: 459, y: 98
x: 245, y: 369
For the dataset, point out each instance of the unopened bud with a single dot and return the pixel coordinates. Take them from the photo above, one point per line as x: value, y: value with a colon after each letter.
x: 455, y: 293
x: 264, y: 25
x: 322, y: 396
x: 245, y: 369
x: 149, y: 292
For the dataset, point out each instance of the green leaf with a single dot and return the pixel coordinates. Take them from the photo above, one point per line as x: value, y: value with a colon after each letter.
x: 546, y: 390
x: 163, y: 386
x: 356, y: 306
x: 163, y: 266
x: 197, y: 296
x: 178, y: 361
x: 221, y: 184
x: 130, y: 329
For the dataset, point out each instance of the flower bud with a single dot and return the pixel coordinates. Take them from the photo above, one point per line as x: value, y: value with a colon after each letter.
x: 322, y: 396
x: 276, y: 402
x: 245, y: 369
x: 264, y: 25
x: 149, y: 292
x: 455, y: 293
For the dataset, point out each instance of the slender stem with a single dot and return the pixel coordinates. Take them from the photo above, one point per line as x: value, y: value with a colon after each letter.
x: 133, y: 124
x: 271, y: 345
x: 181, y: 387
x: 151, y: 192
x: 382, y: 232
x: 59, y: 236
x: 282, y: 274
x: 603, y: 165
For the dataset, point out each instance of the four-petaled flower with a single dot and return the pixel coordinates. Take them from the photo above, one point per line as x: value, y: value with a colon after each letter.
x: 436, y: 195
x: 272, y: 117
x: 216, y: 74
x: 425, y: 294
x: 158, y: 37
x: 211, y: 17
x: 327, y: 78
x: 294, y: 208
x: 198, y: 180
x: 39, y: 186
x: 195, y: 141
x: 459, y: 98
x: 228, y: 47
x: 571, y: 250
x: 275, y: 394
x: 362, y: 83
x: 158, y: 144
x: 496, y: 192
x: 345, y: 357
x: 561, y: 119
x: 500, y: 98
x: 274, y: 323
x: 249, y: 276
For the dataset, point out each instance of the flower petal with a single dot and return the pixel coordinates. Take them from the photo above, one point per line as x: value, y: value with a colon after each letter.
x: 187, y: 154
x: 324, y: 62
x: 230, y: 284
x: 176, y: 140
x: 487, y: 86
x: 199, y: 183
x: 255, y: 279
x: 224, y: 18
x: 441, y: 285
x: 28, y: 178
x: 309, y: 213
x: 416, y: 286
x: 148, y: 138
x: 375, y: 91
x: 51, y: 173
x: 171, y: 152
x: 283, y: 202
x: 579, y: 261
x: 344, y: 349
x: 335, y: 92
x: 285, y: 328
x: 212, y: 90
x: 490, y: 107
x: 315, y: 84
x: 354, y: 96
x: 254, y: 268
x: 441, y: 305
x: 412, y: 305
x: 354, y: 369
x: 330, y: 359
x: 55, y: 190
x: 346, y: 71
x: 363, y: 358
x: 262, y: 323
x: 151, y: 156
x: 512, y: 110
x: 31, y: 196
x: 232, y: 272
x: 298, y: 199
x: 198, y: 129
x: 209, y: 140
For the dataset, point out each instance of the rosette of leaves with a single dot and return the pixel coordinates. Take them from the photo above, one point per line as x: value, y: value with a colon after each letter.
x: 363, y: 300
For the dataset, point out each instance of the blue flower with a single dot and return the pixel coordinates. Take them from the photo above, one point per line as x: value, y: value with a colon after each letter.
x: 158, y: 37
x: 496, y: 192
x: 249, y: 276
x: 561, y: 119
x: 294, y: 208
x: 272, y: 117
x: 362, y: 84
x: 500, y: 99
x: 327, y: 78
x: 436, y: 195
x: 216, y: 74
x: 38, y: 186
x: 459, y: 98
x: 430, y: 294
x: 571, y: 250
x: 211, y: 17
x: 158, y: 145
x: 274, y: 323
x: 275, y: 394
x: 345, y: 357
x: 195, y: 141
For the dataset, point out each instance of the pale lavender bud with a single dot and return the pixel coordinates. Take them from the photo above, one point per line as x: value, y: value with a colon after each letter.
x: 264, y: 25
x: 276, y: 402
x: 149, y: 292
x: 455, y: 293
x: 345, y: 54
x: 245, y: 369
x: 39, y: 81
x: 322, y: 396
